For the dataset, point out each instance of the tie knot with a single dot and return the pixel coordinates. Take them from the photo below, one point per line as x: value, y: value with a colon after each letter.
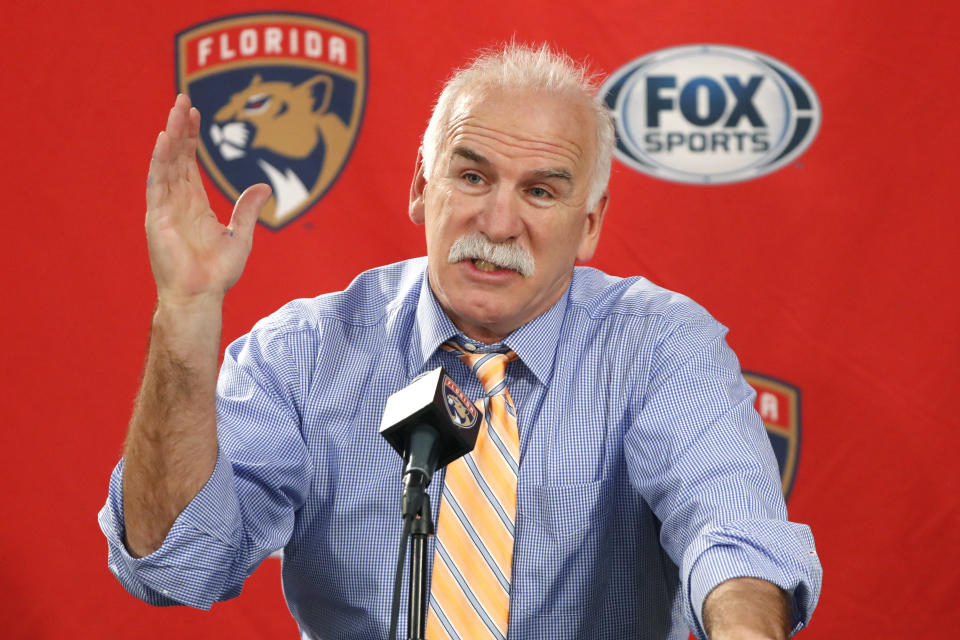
x: 490, y: 368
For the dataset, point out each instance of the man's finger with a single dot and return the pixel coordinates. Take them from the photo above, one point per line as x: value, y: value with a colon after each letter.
x: 194, y: 116
x: 247, y: 210
x: 182, y: 126
x: 177, y: 120
x: 159, y: 173
x: 186, y: 153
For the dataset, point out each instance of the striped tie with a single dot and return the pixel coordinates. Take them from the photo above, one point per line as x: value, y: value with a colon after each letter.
x: 470, y: 592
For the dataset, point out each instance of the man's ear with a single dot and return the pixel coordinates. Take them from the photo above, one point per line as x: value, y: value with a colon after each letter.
x: 416, y: 190
x: 591, y: 228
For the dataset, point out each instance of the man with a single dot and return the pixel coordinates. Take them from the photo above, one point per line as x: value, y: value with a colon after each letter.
x: 645, y: 490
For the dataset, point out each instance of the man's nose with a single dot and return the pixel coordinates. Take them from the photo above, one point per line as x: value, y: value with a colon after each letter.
x: 500, y: 219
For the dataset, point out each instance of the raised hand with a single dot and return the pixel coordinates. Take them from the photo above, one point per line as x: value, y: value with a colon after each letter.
x: 193, y: 255
x: 171, y: 446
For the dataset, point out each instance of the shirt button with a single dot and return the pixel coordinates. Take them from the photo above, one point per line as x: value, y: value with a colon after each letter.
x: 470, y: 347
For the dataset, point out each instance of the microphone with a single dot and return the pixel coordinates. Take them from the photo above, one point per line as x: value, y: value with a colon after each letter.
x: 430, y: 423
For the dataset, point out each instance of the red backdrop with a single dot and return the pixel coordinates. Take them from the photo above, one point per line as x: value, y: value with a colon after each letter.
x: 837, y: 273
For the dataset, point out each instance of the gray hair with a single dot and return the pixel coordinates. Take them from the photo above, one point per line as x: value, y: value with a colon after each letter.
x: 515, y: 66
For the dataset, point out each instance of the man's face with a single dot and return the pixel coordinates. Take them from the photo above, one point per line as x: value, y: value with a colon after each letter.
x: 514, y: 170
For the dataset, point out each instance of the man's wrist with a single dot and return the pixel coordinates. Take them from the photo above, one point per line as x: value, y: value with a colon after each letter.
x: 198, y: 304
x: 191, y: 322
x: 747, y: 609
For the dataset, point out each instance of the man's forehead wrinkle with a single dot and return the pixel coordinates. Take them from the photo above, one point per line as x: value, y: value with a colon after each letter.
x: 538, y: 142
x: 456, y: 120
x: 523, y: 145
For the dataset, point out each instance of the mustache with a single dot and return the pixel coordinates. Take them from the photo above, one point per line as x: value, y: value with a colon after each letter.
x: 504, y: 255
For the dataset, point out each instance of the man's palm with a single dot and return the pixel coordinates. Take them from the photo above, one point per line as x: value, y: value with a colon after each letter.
x: 191, y: 253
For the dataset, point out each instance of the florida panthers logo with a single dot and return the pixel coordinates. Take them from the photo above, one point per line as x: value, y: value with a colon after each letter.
x: 279, y: 120
x: 778, y: 403
x: 461, y: 411
x: 281, y: 97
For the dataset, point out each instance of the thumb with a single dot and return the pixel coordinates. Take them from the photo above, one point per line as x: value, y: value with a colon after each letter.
x: 247, y: 209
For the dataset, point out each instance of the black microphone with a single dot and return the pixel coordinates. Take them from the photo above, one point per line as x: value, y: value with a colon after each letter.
x: 430, y: 423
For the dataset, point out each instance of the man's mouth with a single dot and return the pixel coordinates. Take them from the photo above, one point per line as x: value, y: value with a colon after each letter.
x: 493, y: 258
x: 483, y: 265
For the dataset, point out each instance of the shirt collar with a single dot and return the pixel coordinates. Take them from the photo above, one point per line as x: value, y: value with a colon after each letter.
x: 535, y: 342
x: 434, y: 326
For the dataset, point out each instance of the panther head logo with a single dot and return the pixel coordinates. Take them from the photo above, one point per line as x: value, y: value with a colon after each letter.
x: 292, y: 136
x: 461, y: 414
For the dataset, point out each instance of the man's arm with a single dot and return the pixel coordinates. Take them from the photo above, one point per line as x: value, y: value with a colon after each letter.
x: 710, y: 476
x: 746, y: 609
x: 171, y: 445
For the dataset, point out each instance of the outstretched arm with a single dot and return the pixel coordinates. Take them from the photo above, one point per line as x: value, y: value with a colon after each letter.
x: 171, y: 446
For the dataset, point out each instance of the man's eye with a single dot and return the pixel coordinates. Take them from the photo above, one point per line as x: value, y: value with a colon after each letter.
x: 540, y: 192
x: 472, y: 178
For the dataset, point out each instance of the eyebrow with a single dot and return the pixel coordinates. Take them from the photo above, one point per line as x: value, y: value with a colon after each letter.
x: 540, y: 174
x: 545, y: 174
x: 469, y: 154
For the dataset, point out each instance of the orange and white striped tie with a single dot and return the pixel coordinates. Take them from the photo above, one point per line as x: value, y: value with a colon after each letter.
x: 470, y: 591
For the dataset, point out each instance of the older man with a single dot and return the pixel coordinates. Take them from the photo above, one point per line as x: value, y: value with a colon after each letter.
x: 622, y: 482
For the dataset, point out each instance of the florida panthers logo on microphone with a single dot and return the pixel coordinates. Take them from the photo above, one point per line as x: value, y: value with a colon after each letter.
x: 459, y: 407
x: 282, y: 98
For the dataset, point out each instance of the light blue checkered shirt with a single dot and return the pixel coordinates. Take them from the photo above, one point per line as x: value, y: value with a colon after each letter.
x: 646, y: 477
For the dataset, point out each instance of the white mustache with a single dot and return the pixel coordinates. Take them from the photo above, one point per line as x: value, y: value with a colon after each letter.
x: 505, y: 255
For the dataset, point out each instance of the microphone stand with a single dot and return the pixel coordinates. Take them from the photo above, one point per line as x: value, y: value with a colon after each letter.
x: 430, y: 423
x: 421, y: 530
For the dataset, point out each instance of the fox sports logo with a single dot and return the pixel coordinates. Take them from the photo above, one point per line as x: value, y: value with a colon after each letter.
x: 710, y: 114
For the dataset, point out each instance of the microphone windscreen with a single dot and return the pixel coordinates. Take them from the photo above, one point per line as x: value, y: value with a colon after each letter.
x: 435, y: 399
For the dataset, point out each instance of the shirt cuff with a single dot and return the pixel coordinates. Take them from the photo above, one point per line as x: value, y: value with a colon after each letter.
x: 725, y: 562
x: 197, y: 563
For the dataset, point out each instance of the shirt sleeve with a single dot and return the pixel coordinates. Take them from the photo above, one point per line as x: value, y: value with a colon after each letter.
x: 247, y: 508
x: 700, y: 456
